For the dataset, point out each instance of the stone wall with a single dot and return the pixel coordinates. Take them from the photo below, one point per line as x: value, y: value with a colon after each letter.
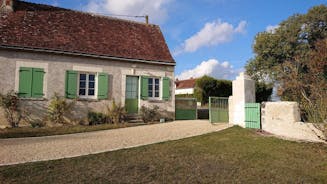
x: 55, y: 67
x: 283, y: 119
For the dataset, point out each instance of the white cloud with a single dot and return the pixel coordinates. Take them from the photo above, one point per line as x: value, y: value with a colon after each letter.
x: 55, y: 3
x: 213, y: 68
x: 241, y: 27
x: 271, y: 29
x: 157, y: 10
x: 212, y: 34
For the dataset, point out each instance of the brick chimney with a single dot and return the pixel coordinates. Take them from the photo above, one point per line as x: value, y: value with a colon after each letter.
x: 6, y: 6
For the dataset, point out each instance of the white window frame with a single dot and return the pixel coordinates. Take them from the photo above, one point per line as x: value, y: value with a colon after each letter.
x: 87, y: 85
x: 153, y: 88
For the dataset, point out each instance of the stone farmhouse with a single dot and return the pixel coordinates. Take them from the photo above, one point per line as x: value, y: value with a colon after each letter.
x: 95, y: 59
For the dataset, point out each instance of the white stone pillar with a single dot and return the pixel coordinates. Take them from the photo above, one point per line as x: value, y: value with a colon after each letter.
x: 243, y: 92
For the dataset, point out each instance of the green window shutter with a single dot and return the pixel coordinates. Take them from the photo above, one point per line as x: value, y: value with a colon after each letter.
x: 25, y: 82
x: 144, y: 87
x: 71, y: 84
x: 103, y: 85
x: 37, y: 83
x: 165, y: 88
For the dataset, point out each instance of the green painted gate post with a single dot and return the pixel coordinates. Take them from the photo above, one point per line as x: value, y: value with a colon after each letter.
x: 210, y: 114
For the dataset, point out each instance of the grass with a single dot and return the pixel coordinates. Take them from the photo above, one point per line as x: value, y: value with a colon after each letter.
x: 47, y: 131
x: 234, y: 155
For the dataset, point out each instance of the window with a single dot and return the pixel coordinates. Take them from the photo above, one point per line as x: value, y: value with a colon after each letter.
x: 87, y: 85
x: 30, y: 82
x: 154, y: 87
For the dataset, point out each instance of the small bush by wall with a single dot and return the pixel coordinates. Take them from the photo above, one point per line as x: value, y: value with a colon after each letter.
x: 11, y: 105
x: 96, y: 118
x: 116, y: 112
x: 59, y: 109
x: 149, y: 114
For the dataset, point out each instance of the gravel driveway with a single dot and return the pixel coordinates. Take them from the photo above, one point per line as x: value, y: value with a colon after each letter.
x: 21, y: 150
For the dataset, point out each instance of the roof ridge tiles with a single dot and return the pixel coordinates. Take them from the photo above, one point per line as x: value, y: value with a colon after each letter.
x: 113, y: 17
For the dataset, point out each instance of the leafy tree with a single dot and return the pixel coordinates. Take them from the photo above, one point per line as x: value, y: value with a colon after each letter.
x: 308, y: 87
x: 263, y: 91
x: 294, y: 55
x: 293, y: 40
x: 208, y: 86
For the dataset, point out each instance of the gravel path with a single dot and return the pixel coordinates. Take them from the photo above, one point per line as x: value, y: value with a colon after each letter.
x: 22, y: 150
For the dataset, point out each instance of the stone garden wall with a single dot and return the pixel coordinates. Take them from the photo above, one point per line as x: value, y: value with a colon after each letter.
x: 283, y: 119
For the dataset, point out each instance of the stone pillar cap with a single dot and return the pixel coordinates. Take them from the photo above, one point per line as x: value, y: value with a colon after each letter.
x: 243, y: 76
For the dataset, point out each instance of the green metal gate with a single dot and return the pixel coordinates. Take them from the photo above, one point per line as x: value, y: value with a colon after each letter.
x: 185, y: 109
x: 218, y: 110
x: 252, y: 115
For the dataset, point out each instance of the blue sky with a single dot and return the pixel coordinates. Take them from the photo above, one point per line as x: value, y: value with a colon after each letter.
x: 212, y: 37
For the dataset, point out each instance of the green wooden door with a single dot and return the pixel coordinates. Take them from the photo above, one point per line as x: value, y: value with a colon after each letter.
x: 252, y: 115
x: 218, y: 110
x: 131, y: 99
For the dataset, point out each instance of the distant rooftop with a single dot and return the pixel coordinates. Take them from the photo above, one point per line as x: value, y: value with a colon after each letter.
x: 183, y: 84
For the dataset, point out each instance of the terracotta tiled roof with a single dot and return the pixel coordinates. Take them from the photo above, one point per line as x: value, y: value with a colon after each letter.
x: 183, y: 84
x: 51, y: 28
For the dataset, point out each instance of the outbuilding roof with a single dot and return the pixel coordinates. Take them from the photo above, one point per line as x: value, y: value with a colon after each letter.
x: 36, y: 26
x: 184, y: 84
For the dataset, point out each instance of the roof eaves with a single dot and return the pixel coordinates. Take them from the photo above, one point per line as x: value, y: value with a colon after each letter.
x: 173, y: 63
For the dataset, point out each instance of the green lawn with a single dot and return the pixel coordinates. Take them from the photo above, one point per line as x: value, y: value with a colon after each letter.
x: 234, y: 155
x: 61, y: 130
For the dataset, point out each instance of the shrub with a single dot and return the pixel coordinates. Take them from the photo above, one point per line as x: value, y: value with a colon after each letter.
x: 59, y: 108
x: 96, y: 118
x: 10, y: 103
x: 208, y: 86
x: 116, y: 112
x: 37, y: 124
x: 149, y: 114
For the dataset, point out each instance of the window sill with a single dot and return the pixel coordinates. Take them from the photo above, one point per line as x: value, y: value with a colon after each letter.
x: 88, y: 100
x: 33, y: 99
x: 156, y: 100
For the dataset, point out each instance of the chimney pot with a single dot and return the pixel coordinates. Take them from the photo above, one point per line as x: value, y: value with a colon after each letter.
x: 147, y: 19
